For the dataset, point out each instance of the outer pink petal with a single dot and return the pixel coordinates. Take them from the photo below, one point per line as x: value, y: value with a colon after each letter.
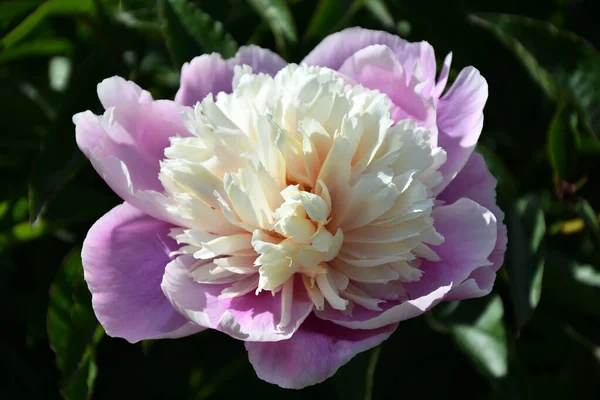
x: 392, y: 311
x: 124, y: 257
x: 313, y: 354
x: 476, y: 183
x: 469, y: 231
x: 126, y: 144
x: 377, y: 67
x: 135, y: 129
x: 117, y: 91
x: 249, y: 317
x: 209, y: 73
x: 335, y: 49
x: 460, y: 119
x: 443, y: 78
x: 470, y: 235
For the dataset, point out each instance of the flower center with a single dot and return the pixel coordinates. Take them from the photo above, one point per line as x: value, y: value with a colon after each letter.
x: 304, y: 178
x: 299, y: 242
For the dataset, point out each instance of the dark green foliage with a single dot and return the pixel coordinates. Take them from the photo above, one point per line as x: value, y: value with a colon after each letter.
x: 537, y: 336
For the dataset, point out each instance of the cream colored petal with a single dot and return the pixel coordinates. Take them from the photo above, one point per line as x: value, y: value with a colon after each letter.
x: 287, y: 295
x: 361, y: 298
x: 372, y: 262
x: 379, y: 250
x: 340, y: 280
x: 376, y: 234
x: 313, y: 291
x: 322, y: 240
x: 179, y: 176
x: 317, y: 209
x: 378, y: 274
x: 372, y: 196
x: 330, y: 292
x: 336, y: 245
x: 201, y: 216
x: 238, y: 264
x: 299, y: 229
x: 224, y: 245
x: 393, y: 290
x: 272, y: 276
x: 240, y: 288
x: 424, y: 251
x: 408, y: 273
x: 269, y: 155
x: 308, y: 256
x: 213, y: 274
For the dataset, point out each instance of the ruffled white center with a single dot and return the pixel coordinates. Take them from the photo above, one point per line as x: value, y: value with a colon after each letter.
x: 303, y: 176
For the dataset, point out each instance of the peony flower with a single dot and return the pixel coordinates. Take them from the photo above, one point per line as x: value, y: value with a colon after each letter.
x: 304, y: 209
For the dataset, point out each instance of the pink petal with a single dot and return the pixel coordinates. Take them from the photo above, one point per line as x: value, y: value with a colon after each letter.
x: 443, y: 78
x: 205, y: 74
x: 126, y: 144
x: 392, y: 311
x: 117, y: 91
x: 460, y: 119
x: 469, y: 232
x: 313, y: 354
x: 377, y: 67
x: 335, y: 49
x: 124, y: 257
x: 261, y: 60
x: 476, y: 183
x: 209, y: 73
x: 249, y: 317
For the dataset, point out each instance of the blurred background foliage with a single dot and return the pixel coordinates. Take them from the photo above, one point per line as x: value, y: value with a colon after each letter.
x: 536, y: 337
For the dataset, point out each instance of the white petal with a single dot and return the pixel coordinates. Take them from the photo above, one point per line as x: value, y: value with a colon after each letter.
x: 287, y: 294
x: 361, y: 298
x: 238, y: 264
x: 224, y: 245
x: 378, y: 274
x: 330, y: 292
x: 240, y: 288
x: 313, y: 292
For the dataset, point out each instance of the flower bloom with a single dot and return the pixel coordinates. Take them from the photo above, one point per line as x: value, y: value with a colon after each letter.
x: 304, y: 209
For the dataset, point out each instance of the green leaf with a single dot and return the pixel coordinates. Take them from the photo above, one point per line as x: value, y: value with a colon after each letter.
x: 355, y: 380
x: 26, y: 119
x: 331, y: 16
x: 587, y: 275
x: 334, y: 15
x: 182, y: 47
x: 208, y: 33
x: 144, y: 21
x: 73, y: 330
x: 558, y: 60
x: 562, y: 144
x: 277, y: 14
x: 326, y: 12
x: 36, y: 48
x: 380, y: 11
x: 589, y: 216
x: 60, y: 158
x: 484, y: 342
x: 525, y: 257
x: 21, y: 232
x: 10, y: 10
x: 571, y: 286
x: 50, y: 7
